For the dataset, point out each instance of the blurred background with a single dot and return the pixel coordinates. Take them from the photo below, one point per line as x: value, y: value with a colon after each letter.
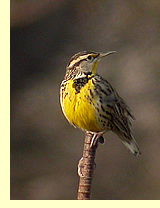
x: 45, y: 149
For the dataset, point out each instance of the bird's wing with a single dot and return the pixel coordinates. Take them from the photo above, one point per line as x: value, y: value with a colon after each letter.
x: 114, y: 106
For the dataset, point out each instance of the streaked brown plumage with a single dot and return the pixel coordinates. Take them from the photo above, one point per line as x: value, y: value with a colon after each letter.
x: 90, y: 103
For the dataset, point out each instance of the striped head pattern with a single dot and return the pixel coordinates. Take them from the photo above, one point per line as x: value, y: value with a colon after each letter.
x: 83, y: 63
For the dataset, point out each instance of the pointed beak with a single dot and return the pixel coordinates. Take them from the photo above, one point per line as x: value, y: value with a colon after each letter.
x: 101, y: 55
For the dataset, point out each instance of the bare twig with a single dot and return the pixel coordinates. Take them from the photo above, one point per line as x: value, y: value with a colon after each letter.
x: 85, y: 168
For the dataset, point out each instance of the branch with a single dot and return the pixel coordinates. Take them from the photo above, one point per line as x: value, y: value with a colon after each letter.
x: 86, y: 167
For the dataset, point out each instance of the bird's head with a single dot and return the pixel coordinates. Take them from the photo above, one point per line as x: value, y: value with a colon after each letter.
x: 84, y: 63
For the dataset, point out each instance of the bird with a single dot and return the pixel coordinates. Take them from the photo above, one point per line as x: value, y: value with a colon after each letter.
x: 89, y: 102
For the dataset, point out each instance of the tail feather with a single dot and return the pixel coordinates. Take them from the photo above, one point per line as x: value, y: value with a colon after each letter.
x: 132, y: 146
x: 129, y: 141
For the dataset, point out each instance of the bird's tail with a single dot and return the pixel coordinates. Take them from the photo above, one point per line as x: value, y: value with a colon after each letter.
x: 132, y: 146
x: 130, y: 143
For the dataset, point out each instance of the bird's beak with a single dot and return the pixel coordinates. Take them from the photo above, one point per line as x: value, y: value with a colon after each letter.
x: 101, y: 55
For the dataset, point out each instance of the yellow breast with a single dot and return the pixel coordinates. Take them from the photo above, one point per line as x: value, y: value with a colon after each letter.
x: 79, y: 107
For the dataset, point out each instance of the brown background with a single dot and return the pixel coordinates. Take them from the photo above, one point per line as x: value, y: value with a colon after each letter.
x: 45, y: 149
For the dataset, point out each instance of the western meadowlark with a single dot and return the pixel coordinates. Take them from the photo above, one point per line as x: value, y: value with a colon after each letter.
x: 90, y: 103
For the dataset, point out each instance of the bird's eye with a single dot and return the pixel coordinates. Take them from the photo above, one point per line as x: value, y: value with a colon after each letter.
x: 89, y: 58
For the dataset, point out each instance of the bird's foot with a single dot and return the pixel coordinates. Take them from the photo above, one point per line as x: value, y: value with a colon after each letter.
x: 96, y: 138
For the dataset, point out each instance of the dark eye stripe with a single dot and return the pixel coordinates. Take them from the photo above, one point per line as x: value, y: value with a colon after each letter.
x: 76, y: 64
